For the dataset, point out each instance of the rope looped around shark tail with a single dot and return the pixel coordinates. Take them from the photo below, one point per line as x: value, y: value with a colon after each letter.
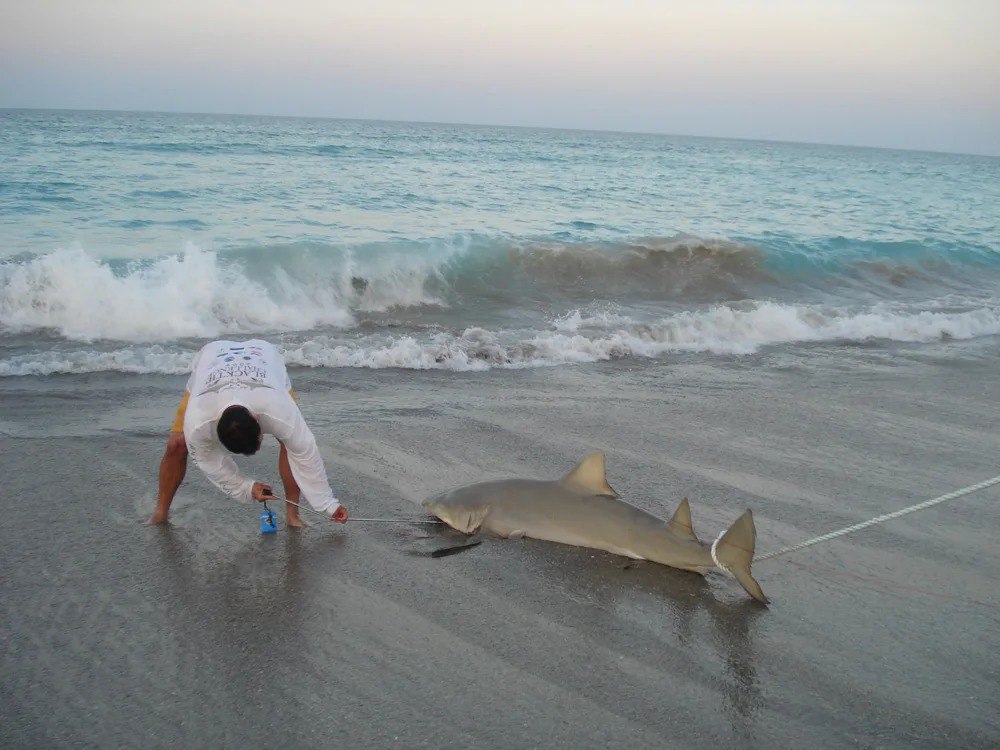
x: 715, y: 557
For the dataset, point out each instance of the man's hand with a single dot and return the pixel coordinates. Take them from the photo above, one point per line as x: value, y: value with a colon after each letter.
x: 261, y: 492
x: 339, y: 515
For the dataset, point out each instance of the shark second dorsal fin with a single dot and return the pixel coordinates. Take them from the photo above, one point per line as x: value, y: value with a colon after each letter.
x: 589, y: 475
x: 681, y: 524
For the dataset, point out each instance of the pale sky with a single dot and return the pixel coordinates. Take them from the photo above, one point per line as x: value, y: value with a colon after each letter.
x: 897, y: 73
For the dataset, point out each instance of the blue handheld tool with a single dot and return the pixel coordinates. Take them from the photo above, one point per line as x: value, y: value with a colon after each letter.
x: 268, y: 521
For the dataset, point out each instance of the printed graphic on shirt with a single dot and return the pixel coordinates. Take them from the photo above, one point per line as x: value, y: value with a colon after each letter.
x: 240, y: 367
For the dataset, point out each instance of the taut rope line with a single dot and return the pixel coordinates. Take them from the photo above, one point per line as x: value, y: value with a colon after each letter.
x: 881, y: 519
x: 423, y: 521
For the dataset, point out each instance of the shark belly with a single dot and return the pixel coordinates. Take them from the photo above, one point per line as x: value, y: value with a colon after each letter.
x: 564, y: 536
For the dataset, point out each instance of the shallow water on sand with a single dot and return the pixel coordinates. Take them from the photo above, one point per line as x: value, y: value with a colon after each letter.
x: 208, y: 633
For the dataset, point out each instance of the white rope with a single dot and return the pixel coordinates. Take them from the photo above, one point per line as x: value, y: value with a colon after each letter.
x: 715, y: 559
x: 359, y: 520
x: 874, y: 521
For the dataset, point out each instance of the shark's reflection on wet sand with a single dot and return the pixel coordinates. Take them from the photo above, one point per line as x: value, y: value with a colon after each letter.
x: 662, y: 627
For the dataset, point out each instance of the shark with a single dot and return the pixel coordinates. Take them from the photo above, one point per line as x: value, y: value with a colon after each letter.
x: 583, y: 510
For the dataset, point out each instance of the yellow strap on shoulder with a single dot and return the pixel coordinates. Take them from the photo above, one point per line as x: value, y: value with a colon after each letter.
x: 178, y: 425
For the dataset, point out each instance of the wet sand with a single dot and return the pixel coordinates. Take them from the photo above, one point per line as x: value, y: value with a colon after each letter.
x: 206, y: 633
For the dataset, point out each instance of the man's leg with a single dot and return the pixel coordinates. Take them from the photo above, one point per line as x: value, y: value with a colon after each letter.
x: 292, y: 491
x: 173, y: 466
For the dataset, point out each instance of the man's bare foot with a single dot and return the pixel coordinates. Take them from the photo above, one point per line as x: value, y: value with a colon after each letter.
x: 295, y: 522
x: 157, y: 519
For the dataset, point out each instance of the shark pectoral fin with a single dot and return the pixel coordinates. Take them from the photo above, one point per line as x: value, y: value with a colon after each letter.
x: 590, y: 475
x: 735, y: 550
x: 446, y: 551
x: 680, y: 524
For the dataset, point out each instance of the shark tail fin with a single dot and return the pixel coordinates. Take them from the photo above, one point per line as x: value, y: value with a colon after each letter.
x: 735, y: 550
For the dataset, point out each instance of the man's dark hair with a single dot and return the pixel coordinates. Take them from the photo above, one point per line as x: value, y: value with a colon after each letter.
x: 239, y: 431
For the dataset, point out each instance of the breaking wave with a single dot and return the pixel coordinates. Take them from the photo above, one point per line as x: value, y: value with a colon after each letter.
x: 574, y: 338
x: 201, y: 293
x: 195, y: 293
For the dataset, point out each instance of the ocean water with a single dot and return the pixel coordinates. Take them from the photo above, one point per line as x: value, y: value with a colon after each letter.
x: 128, y: 239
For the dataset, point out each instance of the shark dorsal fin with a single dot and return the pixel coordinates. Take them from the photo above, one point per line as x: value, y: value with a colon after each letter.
x: 589, y: 475
x: 681, y: 524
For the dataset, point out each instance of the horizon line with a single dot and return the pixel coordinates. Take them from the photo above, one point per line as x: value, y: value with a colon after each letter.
x: 661, y: 134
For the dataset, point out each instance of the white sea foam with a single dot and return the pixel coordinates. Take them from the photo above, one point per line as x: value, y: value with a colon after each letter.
x: 466, y: 353
x: 736, y: 330
x: 191, y: 294
x: 577, y: 320
x: 137, y: 360
x: 198, y: 294
x: 722, y: 330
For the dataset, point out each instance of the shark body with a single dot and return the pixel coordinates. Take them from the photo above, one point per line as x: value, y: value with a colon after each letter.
x: 582, y: 509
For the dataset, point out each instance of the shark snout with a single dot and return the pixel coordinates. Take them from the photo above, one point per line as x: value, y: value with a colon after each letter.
x: 456, y: 510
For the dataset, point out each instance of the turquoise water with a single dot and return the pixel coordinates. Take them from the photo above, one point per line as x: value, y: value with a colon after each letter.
x: 128, y: 238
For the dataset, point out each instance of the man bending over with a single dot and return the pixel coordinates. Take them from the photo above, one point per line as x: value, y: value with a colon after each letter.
x: 237, y: 393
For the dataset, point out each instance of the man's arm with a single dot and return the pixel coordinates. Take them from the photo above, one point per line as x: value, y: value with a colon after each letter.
x: 306, y: 463
x: 221, y: 470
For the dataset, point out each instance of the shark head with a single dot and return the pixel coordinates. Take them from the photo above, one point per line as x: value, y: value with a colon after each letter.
x: 462, y: 509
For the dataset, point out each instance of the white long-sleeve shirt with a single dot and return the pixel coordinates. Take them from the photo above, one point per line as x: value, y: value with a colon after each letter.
x: 250, y: 374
